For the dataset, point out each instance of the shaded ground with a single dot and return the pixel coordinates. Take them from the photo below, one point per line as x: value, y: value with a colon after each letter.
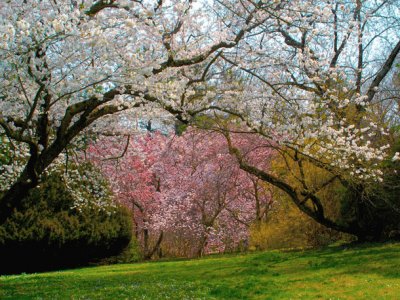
x: 367, y: 272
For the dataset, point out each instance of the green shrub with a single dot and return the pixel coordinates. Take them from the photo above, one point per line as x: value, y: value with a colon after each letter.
x: 131, y: 254
x: 56, y: 227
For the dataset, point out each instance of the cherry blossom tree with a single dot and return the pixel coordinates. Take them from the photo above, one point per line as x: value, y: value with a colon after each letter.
x: 311, y: 79
x: 131, y: 172
x: 185, y: 187
x: 311, y: 75
x: 66, y: 66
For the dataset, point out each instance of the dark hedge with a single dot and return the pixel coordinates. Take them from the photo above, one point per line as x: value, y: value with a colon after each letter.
x: 49, y: 232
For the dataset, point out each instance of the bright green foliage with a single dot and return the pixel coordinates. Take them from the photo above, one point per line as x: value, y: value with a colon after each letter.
x: 51, y: 231
x: 334, y: 273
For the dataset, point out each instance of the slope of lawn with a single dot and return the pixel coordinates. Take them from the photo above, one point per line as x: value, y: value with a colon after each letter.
x: 364, y: 272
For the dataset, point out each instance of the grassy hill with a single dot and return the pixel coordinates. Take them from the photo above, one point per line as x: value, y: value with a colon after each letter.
x: 367, y: 272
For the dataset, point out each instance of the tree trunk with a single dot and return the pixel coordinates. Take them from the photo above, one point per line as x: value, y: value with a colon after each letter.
x: 203, y: 244
x: 145, y: 243
x: 149, y: 254
x: 12, y: 199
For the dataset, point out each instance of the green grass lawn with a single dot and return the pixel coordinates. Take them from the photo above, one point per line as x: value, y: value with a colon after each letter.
x: 371, y: 272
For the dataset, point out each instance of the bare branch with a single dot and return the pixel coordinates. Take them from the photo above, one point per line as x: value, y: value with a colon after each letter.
x: 383, y: 72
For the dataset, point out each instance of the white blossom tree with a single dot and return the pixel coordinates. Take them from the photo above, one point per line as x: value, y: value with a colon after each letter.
x: 66, y: 66
x: 310, y: 80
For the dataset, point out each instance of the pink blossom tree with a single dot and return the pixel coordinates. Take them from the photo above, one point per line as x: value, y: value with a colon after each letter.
x: 185, y: 187
x: 209, y: 184
x: 130, y: 171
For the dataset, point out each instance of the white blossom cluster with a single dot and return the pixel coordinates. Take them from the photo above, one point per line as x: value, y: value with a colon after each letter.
x: 307, y: 99
x: 13, y: 158
x: 85, y: 184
